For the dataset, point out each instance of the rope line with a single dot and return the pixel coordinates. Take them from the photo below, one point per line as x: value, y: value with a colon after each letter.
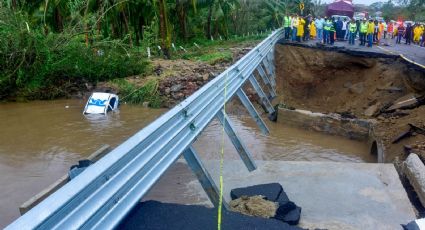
x: 220, y: 202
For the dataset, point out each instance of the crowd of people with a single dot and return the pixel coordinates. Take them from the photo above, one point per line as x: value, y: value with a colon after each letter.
x: 328, y: 30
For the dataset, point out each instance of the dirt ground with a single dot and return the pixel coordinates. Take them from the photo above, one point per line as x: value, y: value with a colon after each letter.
x: 352, y: 84
x: 180, y: 78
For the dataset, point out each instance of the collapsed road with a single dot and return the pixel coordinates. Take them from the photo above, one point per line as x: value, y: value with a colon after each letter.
x: 359, y: 83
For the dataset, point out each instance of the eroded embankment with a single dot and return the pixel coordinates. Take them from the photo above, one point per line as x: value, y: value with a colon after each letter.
x: 353, y: 83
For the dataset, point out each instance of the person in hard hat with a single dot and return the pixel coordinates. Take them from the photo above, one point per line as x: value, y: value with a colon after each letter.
x: 423, y: 36
x: 287, y: 25
x: 363, y: 32
x: 352, y: 27
x: 300, y: 29
x: 370, y: 32
x: 294, y: 25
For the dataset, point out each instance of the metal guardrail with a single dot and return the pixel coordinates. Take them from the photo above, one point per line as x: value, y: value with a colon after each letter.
x: 102, y: 195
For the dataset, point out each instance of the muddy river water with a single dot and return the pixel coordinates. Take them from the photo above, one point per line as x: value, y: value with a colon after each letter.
x: 40, y: 140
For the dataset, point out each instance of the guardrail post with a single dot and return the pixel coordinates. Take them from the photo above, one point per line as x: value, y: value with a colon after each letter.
x: 270, y: 73
x: 203, y: 176
x: 269, y: 76
x: 252, y: 111
x: 240, y: 147
x: 266, y: 81
x: 264, y: 100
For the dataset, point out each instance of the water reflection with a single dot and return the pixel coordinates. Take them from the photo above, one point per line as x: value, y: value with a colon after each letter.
x: 39, y: 141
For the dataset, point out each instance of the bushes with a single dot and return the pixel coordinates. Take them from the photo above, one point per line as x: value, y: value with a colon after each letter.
x: 41, y: 66
x: 137, y: 95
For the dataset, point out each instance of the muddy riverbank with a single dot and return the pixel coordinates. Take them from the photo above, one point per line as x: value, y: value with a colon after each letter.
x: 356, y: 84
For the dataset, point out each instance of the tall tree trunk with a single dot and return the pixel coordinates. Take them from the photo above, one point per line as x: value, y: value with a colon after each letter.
x: 181, y: 12
x: 163, y: 28
x: 99, y: 23
x: 14, y: 4
x: 58, y: 20
x: 141, y: 27
x: 209, y: 20
x: 127, y: 29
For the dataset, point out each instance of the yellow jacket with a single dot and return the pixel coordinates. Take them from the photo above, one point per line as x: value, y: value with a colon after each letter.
x: 370, y: 28
x: 300, y: 30
x: 313, y: 29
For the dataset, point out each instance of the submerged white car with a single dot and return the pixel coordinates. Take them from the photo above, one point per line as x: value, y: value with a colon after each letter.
x: 101, y: 103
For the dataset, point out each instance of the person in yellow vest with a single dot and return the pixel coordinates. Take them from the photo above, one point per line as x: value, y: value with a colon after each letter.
x: 363, y: 32
x: 300, y: 29
x: 352, y: 27
x: 313, y: 32
x: 287, y: 25
x: 370, y: 31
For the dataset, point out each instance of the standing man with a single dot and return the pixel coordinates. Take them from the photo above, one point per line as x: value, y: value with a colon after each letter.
x: 352, y: 27
x: 344, y: 29
x: 391, y: 30
x: 408, y: 33
x: 300, y: 30
x: 326, y: 28
x: 307, y: 28
x: 287, y: 25
x: 332, y: 31
x: 370, y: 32
x: 363, y: 32
x: 385, y: 29
x: 339, y: 25
x: 358, y: 22
x: 400, y: 33
x: 319, y: 23
x: 294, y: 25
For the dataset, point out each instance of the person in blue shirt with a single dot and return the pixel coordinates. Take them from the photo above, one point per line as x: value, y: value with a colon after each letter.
x: 319, y: 23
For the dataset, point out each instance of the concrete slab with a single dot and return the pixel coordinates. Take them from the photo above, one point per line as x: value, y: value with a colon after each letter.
x: 332, y: 195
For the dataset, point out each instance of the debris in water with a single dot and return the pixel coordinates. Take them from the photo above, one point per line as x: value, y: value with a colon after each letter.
x: 413, y: 130
x: 254, y: 206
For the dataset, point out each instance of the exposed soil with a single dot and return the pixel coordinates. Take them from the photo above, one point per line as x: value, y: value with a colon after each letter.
x: 353, y: 83
x: 180, y: 78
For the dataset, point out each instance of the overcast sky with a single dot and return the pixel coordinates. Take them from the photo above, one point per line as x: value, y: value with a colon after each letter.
x: 367, y: 2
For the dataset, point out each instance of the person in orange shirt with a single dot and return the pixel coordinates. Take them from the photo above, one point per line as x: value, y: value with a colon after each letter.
x: 381, y: 30
x: 391, y: 29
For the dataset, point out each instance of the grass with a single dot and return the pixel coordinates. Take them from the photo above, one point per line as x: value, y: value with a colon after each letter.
x: 133, y: 94
x: 211, y: 52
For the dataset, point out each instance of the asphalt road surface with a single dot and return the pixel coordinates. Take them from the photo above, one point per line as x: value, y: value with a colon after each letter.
x: 412, y: 53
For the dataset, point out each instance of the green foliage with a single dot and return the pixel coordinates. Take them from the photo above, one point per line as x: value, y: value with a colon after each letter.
x: 130, y: 93
x: 35, y: 65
